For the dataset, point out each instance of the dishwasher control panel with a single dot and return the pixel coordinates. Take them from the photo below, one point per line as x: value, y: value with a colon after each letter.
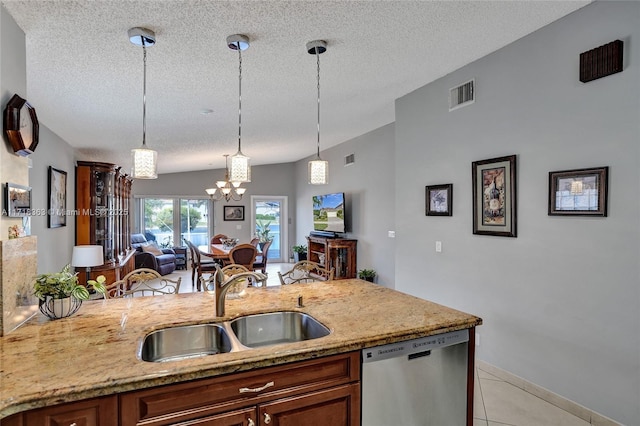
x: 415, y: 346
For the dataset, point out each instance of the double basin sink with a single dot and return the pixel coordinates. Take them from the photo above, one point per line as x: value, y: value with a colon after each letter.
x: 251, y: 331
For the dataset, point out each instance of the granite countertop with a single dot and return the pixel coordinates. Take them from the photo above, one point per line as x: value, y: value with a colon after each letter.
x: 94, y: 352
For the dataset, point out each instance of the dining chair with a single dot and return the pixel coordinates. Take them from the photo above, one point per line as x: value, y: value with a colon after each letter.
x: 254, y: 241
x: 142, y: 282
x: 199, y: 265
x: 243, y: 254
x: 306, y: 271
x: 261, y: 260
x: 217, y: 239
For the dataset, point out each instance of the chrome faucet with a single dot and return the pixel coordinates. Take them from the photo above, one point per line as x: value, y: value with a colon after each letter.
x: 222, y: 287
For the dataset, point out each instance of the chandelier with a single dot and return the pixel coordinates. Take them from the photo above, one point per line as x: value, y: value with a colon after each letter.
x: 229, y: 190
x: 240, y: 163
x: 318, y: 168
x: 145, y: 160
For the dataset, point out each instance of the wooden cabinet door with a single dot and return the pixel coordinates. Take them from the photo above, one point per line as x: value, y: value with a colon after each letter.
x: 92, y: 412
x: 246, y: 417
x: 339, y: 406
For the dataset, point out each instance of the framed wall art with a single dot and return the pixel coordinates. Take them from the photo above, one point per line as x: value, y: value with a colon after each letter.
x: 494, y: 196
x: 17, y: 200
x: 580, y: 192
x: 57, y: 201
x: 439, y: 200
x: 233, y: 213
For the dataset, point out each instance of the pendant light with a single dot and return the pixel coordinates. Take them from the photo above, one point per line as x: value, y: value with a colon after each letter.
x: 318, y: 168
x: 240, y: 163
x: 145, y: 160
x: 227, y: 189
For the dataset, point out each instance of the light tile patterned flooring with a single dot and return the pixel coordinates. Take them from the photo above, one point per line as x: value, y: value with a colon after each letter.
x: 496, y: 403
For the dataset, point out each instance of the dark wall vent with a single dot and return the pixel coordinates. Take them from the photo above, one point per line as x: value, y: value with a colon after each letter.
x: 462, y: 95
x: 349, y: 159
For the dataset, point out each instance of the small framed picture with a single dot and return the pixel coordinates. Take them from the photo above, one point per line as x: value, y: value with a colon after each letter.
x: 494, y: 196
x: 580, y: 192
x: 57, y: 203
x: 17, y: 200
x: 233, y: 213
x: 439, y: 200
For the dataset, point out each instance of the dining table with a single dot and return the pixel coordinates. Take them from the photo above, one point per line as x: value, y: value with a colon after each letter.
x: 219, y: 252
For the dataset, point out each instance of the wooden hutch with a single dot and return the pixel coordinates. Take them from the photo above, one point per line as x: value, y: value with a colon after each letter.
x: 103, y: 194
x: 337, y: 253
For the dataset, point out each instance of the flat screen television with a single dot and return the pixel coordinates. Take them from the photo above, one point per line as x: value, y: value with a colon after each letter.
x: 329, y: 214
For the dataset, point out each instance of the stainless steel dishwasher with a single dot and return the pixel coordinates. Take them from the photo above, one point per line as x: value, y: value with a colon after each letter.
x: 421, y: 382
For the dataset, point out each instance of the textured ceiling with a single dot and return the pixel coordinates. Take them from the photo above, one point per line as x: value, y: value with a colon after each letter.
x: 84, y: 77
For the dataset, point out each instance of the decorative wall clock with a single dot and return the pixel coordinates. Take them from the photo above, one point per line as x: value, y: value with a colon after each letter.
x: 21, y: 126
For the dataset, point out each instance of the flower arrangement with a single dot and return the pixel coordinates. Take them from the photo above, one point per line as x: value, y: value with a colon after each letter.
x: 15, y: 231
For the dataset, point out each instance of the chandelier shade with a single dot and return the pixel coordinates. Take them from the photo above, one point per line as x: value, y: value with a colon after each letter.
x: 240, y: 163
x: 145, y: 160
x: 318, y: 172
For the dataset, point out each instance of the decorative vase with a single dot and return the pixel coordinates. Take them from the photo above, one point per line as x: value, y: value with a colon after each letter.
x: 54, y: 308
x: 297, y: 256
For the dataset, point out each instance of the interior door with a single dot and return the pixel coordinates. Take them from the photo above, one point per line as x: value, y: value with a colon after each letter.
x: 270, y: 212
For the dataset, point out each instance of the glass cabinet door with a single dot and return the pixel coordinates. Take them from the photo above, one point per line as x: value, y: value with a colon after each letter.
x: 103, y: 219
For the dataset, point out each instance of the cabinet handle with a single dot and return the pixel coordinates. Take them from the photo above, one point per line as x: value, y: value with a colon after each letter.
x: 249, y: 390
x: 267, y: 419
x: 73, y: 424
x: 250, y: 422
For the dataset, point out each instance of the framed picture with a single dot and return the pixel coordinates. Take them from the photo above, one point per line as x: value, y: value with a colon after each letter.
x: 57, y: 203
x: 233, y: 213
x: 580, y: 192
x: 439, y: 200
x: 494, y: 196
x: 17, y: 200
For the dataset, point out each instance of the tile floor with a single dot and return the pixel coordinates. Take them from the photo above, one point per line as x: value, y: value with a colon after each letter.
x: 497, y: 403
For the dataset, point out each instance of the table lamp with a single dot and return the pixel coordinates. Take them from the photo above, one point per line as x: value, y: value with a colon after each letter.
x: 87, y: 256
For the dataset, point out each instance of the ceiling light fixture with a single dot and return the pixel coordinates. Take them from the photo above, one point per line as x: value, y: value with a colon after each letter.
x: 145, y: 160
x: 227, y: 189
x: 318, y: 168
x: 240, y: 163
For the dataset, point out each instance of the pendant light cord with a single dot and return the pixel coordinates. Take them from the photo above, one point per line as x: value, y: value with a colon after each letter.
x: 144, y: 94
x: 318, y: 63
x: 239, y: 97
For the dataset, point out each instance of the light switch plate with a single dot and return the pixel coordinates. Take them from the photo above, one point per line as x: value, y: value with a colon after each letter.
x: 438, y: 246
x: 392, y: 234
x: 238, y: 226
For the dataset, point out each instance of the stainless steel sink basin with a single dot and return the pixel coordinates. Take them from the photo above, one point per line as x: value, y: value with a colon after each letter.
x: 277, y: 327
x: 185, y: 342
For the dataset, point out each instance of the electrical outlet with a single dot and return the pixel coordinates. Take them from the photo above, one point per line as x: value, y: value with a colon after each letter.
x: 477, y: 339
x: 238, y: 226
x: 392, y: 234
x: 438, y: 246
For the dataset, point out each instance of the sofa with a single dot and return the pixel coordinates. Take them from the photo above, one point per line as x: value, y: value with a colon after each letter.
x: 149, y: 255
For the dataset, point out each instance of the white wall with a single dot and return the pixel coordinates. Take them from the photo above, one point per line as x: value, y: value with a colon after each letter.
x: 369, y: 191
x: 561, y: 302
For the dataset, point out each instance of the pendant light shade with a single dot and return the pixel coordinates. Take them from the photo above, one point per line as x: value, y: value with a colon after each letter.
x: 318, y: 168
x: 240, y: 163
x: 227, y: 188
x: 145, y: 160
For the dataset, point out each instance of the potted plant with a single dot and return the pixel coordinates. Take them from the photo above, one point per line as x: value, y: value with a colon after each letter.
x: 299, y: 253
x: 367, y: 274
x: 263, y: 232
x: 60, y: 293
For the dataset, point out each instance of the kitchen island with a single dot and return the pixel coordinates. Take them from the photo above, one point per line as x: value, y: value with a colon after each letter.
x: 95, y: 352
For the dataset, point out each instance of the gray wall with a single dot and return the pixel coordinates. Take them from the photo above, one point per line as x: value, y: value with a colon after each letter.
x: 273, y: 179
x: 561, y: 302
x: 368, y: 185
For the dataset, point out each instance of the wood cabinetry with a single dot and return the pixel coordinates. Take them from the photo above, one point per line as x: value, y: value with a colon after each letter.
x: 303, y: 390
x: 92, y: 412
x: 103, y: 194
x: 337, y: 253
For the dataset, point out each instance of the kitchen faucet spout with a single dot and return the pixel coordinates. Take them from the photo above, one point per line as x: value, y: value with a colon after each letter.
x: 222, y: 286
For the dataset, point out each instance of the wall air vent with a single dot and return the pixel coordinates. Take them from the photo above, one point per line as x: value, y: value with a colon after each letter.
x: 349, y: 159
x: 462, y: 95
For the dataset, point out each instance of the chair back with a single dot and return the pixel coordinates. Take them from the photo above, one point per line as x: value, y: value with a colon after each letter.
x: 217, y: 239
x: 306, y: 271
x: 243, y: 254
x: 142, y: 282
x: 261, y: 261
x: 254, y: 241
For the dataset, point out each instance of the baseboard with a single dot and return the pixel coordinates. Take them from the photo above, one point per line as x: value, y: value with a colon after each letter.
x: 574, y: 408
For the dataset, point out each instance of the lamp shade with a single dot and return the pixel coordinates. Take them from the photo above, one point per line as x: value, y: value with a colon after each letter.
x: 85, y: 256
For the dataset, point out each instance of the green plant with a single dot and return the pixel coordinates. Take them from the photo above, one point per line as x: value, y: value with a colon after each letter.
x: 263, y: 230
x: 60, y: 285
x: 299, y: 249
x: 363, y: 274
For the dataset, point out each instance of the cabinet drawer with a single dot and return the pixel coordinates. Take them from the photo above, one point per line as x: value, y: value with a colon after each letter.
x: 168, y: 404
x: 92, y: 412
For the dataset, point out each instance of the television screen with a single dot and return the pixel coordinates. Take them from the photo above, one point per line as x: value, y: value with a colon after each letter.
x: 328, y: 213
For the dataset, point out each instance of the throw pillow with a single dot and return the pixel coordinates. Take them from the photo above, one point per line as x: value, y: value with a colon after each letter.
x: 151, y: 248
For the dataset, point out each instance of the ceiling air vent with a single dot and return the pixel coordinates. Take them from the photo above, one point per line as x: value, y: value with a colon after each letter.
x: 349, y: 159
x: 462, y: 95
